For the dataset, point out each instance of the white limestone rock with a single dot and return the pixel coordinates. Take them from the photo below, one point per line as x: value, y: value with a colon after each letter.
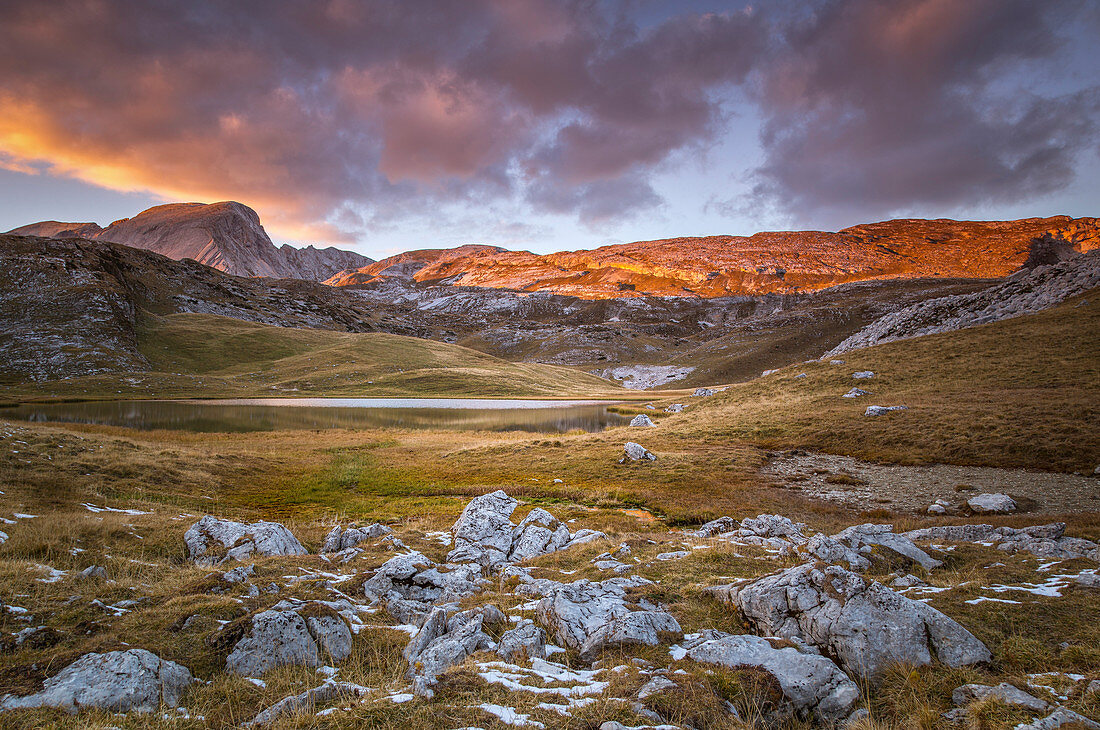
x: 281, y: 637
x: 483, y: 532
x: 635, y: 452
x: 991, y: 504
x: 526, y: 641
x: 1059, y: 718
x: 856, y: 393
x: 1043, y: 541
x: 211, y: 541
x: 1004, y: 693
x: 883, y: 410
x: 117, y: 681
x: 342, y: 539
x: 306, y: 701
x: 863, y: 374
x: 717, y: 527
x: 814, y: 685
x: 642, y: 420
x: 677, y: 407
x: 862, y: 623
x: 538, y: 533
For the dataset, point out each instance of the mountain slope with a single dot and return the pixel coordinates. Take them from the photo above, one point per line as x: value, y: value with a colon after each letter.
x: 227, y: 236
x: 775, y: 262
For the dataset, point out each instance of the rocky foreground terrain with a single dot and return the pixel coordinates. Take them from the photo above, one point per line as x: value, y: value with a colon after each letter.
x: 495, y: 631
x: 227, y: 236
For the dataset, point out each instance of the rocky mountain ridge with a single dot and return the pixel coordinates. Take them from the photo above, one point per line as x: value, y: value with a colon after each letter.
x: 764, y: 263
x: 1025, y: 292
x: 227, y: 236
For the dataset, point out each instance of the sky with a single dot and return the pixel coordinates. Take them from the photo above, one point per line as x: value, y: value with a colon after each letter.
x: 385, y: 125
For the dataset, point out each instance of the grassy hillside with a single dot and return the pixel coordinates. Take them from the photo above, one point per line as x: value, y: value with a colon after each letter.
x: 208, y: 356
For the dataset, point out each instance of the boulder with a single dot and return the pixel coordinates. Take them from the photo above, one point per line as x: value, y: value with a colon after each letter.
x: 991, y: 504
x: 410, y: 584
x: 856, y: 393
x: 883, y: 410
x: 655, y: 685
x: 276, y: 638
x: 636, y: 452
x: 863, y: 374
x: 94, y: 571
x: 538, y: 533
x: 717, y: 527
x: 862, y: 623
x: 589, y: 615
x: 340, y: 539
x: 483, y: 532
x: 936, y: 509
x: 117, y: 681
x: 526, y: 641
x: 883, y: 537
x: 306, y: 701
x: 435, y: 648
x: 1004, y: 693
x: 1059, y: 718
x: 582, y: 536
x: 211, y: 541
x: 813, y: 684
x: 642, y: 420
x: 1043, y: 541
x: 703, y: 392
x: 677, y: 407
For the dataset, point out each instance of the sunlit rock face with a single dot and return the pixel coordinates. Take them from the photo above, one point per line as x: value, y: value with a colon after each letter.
x: 227, y: 236
x: 774, y: 262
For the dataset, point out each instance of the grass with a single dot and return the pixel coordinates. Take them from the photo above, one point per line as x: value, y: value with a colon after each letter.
x: 203, y: 355
x: 1030, y: 400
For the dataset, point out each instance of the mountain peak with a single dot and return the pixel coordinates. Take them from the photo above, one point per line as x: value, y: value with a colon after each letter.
x: 226, y: 235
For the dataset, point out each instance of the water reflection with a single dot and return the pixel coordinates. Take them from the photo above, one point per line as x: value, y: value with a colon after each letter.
x: 240, y: 415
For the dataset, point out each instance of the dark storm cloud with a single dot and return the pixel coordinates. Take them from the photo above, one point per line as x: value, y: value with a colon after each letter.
x: 873, y: 107
x: 331, y: 116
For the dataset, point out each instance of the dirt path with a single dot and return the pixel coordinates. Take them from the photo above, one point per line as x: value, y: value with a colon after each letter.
x: 865, y: 485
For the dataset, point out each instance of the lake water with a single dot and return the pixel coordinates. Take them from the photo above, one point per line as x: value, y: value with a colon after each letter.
x: 272, y: 414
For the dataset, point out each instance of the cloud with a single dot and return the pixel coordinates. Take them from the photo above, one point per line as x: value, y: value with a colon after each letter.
x: 873, y: 107
x: 306, y: 109
x: 342, y: 116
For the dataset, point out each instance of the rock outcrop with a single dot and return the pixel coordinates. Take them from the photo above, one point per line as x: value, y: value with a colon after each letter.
x: 814, y: 685
x: 1025, y: 292
x: 862, y: 623
x: 341, y: 539
x: 211, y: 541
x: 1043, y: 541
x: 118, y: 681
x: 278, y: 637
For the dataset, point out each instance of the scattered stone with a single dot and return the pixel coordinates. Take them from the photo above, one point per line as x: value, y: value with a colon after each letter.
x: 410, y: 584
x: 1042, y: 541
x: 862, y: 623
x: 538, y: 534
x: 677, y: 407
x: 340, y: 539
x: 281, y: 637
x: 239, y: 574
x: 703, y: 392
x: 856, y: 393
x: 642, y: 420
x: 1004, y: 693
x: 483, y: 532
x: 863, y: 375
x: 674, y: 555
x: 526, y: 641
x: 94, y: 571
x: 813, y: 684
x: 936, y: 509
x: 306, y: 701
x: 582, y: 536
x: 991, y: 503
x: 1059, y: 718
x: 800, y: 376
x: 883, y: 410
x: 717, y: 527
x: 589, y: 615
x: 655, y: 685
x: 907, y: 581
x: 635, y: 452
x: 211, y: 541
x: 859, y: 537
x: 117, y: 681
x: 435, y: 648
